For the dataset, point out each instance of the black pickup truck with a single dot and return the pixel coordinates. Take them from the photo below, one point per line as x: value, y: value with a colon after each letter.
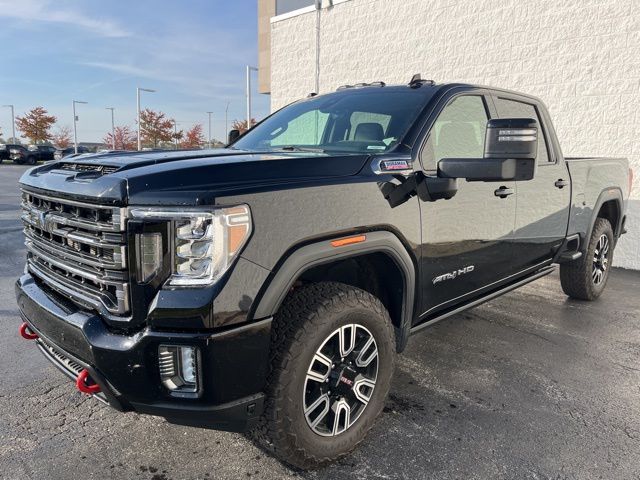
x: 31, y: 154
x: 268, y: 286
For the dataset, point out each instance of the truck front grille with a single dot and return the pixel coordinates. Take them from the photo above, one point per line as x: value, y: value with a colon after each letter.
x: 78, y: 249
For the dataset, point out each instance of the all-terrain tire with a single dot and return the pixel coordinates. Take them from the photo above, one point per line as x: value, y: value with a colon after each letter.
x: 307, y: 318
x: 578, y: 278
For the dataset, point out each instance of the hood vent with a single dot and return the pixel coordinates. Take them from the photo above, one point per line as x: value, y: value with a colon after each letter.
x: 83, y: 167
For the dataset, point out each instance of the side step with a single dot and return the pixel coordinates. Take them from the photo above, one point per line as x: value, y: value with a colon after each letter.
x: 570, y: 250
x: 569, y: 257
x: 542, y: 273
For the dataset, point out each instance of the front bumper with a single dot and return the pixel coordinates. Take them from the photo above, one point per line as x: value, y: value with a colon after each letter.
x: 234, y: 362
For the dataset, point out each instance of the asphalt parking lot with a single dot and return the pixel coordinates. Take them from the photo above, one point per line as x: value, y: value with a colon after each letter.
x: 531, y: 385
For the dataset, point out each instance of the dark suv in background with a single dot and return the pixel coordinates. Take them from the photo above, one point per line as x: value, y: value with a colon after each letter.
x: 63, y: 152
x: 5, y: 150
x: 31, y: 154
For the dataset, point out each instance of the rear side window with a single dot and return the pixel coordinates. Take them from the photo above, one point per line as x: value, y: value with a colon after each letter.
x: 514, y: 109
x: 458, y: 132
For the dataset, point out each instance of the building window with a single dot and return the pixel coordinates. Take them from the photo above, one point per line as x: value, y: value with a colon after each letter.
x: 286, y: 6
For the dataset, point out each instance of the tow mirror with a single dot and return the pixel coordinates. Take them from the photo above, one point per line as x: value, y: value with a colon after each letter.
x: 233, y: 135
x: 511, y: 138
x: 511, y: 145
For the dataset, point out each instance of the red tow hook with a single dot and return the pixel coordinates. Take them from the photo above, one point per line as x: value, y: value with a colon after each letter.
x: 81, y: 383
x: 26, y: 332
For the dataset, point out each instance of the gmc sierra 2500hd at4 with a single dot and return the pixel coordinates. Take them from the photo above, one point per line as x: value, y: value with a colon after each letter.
x: 269, y: 286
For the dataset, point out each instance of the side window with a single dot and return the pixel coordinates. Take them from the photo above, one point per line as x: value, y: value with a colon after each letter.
x: 513, y: 109
x: 307, y: 129
x: 458, y: 132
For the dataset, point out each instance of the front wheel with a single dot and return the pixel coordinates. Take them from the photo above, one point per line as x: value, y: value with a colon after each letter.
x: 586, y: 277
x: 31, y: 160
x: 333, y: 355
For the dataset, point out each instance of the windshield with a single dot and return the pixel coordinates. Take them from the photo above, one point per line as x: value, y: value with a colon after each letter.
x: 363, y: 121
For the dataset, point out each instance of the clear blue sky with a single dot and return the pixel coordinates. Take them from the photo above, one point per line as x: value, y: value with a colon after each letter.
x: 192, y: 52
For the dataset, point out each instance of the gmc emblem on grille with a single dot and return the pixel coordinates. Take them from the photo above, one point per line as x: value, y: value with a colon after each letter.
x: 42, y: 220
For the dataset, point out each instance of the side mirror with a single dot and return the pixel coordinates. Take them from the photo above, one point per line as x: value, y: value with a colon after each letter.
x: 511, y: 138
x: 511, y: 145
x: 233, y: 135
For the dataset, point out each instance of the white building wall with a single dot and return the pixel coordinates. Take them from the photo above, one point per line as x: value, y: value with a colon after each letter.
x: 582, y: 57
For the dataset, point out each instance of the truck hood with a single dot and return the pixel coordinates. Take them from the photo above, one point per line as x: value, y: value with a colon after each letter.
x: 185, y: 177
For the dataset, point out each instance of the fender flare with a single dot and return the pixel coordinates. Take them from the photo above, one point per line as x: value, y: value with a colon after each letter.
x: 607, y: 194
x: 322, y: 252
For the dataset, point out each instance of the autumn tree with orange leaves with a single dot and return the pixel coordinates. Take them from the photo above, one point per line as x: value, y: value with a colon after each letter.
x: 36, y: 125
x: 62, y: 137
x: 194, y: 137
x: 126, y: 138
x: 155, y: 128
x: 241, y: 125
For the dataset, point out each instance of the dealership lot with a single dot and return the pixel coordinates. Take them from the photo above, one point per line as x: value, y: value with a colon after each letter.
x: 531, y: 385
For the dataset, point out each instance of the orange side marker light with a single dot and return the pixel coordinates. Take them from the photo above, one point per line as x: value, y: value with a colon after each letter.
x: 348, y: 241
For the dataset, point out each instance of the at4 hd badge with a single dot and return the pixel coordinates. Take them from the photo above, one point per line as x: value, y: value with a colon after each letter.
x: 391, y: 165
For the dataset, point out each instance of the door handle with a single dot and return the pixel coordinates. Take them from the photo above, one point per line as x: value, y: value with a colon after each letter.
x: 560, y: 183
x: 503, y: 192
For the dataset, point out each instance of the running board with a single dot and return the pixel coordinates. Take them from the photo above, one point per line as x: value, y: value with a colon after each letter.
x: 542, y: 273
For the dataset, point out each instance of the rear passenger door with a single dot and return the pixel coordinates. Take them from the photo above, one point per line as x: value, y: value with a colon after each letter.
x: 542, y: 212
x: 465, y: 246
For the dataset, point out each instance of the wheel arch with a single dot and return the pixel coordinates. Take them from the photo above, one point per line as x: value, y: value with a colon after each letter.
x: 609, y: 205
x: 381, y: 251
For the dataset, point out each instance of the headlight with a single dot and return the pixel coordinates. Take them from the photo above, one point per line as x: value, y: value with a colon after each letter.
x: 204, y: 243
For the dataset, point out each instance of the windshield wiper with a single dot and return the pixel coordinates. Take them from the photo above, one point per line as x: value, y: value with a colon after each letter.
x: 295, y: 148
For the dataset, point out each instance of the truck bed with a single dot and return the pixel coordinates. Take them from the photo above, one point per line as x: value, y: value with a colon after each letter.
x: 595, y: 181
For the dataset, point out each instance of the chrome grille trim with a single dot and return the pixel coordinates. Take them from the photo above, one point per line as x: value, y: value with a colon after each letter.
x: 81, y: 294
x: 115, y: 258
x: 70, y: 212
x: 79, y: 250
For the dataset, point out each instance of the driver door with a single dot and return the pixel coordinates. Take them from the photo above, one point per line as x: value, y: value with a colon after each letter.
x: 465, y: 240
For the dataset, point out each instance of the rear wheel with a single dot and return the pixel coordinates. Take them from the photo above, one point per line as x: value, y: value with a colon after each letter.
x: 586, y: 278
x: 333, y: 354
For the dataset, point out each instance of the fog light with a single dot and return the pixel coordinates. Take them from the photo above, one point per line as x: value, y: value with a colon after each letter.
x: 179, y: 369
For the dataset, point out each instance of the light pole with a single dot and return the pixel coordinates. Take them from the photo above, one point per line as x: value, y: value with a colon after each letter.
x: 226, y: 116
x: 175, y: 134
x: 13, y: 124
x: 138, y: 90
x: 75, y: 121
x: 249, y: 70
x: 113, y: 128
x: 209, y: 113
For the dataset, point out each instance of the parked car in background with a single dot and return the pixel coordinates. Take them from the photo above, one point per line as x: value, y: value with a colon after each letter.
x: 43, y: 153
x: 4, y: 151
x: 21, y: 154
x: 63, y: 152
x: 31, y: 154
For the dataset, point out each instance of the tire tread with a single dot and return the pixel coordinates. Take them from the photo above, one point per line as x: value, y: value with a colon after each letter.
x: 299, y: 318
